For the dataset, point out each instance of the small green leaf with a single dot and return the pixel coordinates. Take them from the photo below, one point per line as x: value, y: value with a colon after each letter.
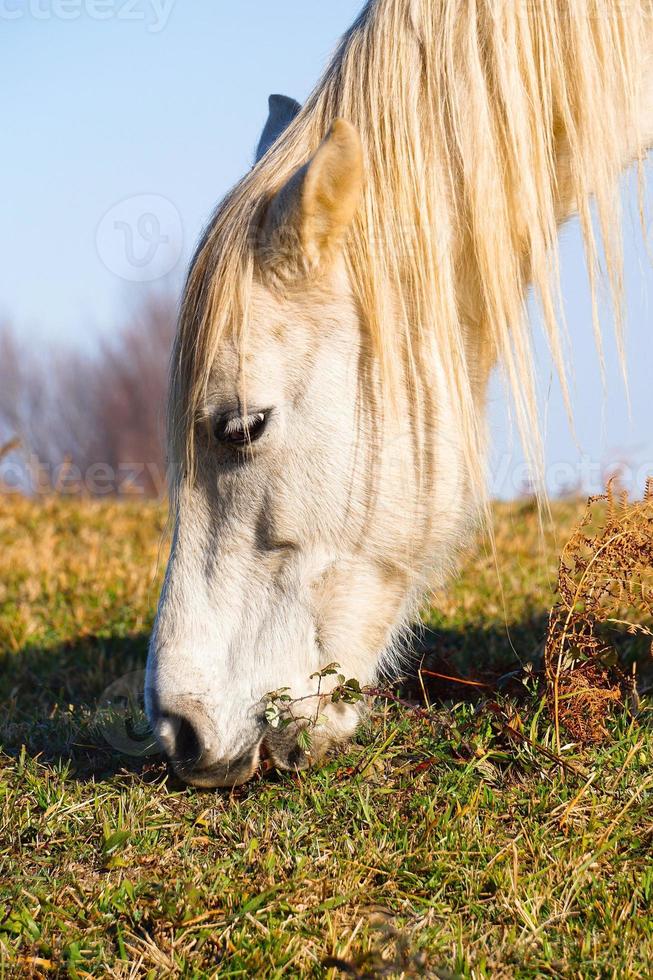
x: 272, y: 714
x: 326, y: 671
x: 276, y: 695
x: 304, y: 740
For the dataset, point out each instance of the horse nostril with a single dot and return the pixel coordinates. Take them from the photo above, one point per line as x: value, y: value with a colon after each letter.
x: 188, y: 743
x: 180, y: 739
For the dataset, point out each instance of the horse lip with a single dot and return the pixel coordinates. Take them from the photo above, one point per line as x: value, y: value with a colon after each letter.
x: 215, y: 777
x: 220, y: 774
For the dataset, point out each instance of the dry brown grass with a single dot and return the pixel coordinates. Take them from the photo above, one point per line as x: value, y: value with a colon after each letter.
x: 605, y: 587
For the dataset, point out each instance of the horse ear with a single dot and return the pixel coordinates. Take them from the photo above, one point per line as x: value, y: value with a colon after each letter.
x: 306, y: 221
x: 283, y: 110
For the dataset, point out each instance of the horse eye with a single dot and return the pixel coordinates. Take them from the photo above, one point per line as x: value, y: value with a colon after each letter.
x: 241, y: 432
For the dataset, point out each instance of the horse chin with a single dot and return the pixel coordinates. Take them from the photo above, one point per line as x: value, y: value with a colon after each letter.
x: 209, y: 779
x: 218, y: 776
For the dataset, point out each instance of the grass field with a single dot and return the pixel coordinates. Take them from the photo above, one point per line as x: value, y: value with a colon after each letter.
x: 437, y: 846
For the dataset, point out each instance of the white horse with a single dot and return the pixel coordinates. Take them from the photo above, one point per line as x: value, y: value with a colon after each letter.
x: 341, y: 317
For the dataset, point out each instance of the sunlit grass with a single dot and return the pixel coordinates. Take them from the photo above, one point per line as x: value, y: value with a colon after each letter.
x: 439, y: 843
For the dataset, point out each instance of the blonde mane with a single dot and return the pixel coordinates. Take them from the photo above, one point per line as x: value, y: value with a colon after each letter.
x: 483, y: 124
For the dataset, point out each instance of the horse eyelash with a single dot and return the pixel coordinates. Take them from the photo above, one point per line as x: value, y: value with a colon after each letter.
x: 239, y: 424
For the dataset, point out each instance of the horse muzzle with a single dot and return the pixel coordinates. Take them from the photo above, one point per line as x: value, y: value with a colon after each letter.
x: 186, y: 736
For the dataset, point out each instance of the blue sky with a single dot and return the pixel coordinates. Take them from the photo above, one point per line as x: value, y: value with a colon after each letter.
x: 116, y: 107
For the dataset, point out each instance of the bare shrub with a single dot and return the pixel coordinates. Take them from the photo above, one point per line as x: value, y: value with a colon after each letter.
x: 605, y: 589
x: 90, y: 423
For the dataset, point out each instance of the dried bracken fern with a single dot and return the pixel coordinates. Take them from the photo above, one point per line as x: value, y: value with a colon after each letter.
x: 605, y: 587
